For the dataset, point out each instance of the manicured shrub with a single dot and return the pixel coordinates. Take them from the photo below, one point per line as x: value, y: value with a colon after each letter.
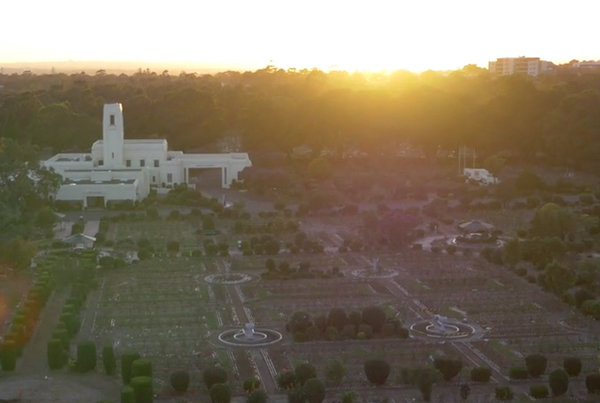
x: 141, y: 367
x: 504, y: 393
x: 173, y: 246
x: 127, y: 360
x: 287, y: 380
x: 335, y: 372
x: 465, y: 390
x: 304, y: 372
x: 337, y: 318
x: 377, y: 371
x: 539, y: 391
x: 127, y: 395
x: 251, y: 384
x: 518, y: 373
x: 214, y: 375
x: 142, y: 389
x: 8, y: 355
x: 592, y: 382
x: 258, y: 396
x: 375, y: 317
x: 63, y: 336
x: 572, y: 366
x: 481, y: 374
x: 448, y: 367
x: 56, y: 354
x: 536, y: 365
x: 86, y: 356
x: 559, y: 382
x: 314, y: 390
x: 180, y: 381
x: 108, y: 360
x: 220, y: 393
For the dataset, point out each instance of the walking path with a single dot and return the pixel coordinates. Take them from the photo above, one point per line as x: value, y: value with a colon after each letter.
x: 34, y: 361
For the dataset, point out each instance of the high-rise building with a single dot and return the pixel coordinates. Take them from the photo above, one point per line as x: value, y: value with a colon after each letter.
x: 532, y: 66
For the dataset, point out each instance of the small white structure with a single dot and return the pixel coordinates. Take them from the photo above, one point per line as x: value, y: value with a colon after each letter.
x: 118, y: 169
x: 80, y: 241
x: 480, y: 175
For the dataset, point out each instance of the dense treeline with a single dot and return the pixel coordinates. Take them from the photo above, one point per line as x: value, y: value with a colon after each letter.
x: 271, y: 109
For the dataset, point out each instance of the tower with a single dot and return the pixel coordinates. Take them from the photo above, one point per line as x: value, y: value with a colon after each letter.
x: 112, y: 134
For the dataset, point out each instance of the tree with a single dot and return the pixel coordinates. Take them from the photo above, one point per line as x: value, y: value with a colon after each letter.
x: 349, y: 397
x: 559, y: 278
x: 315, y: 390
x: 504, y: 393
x: 108, y: 360
x: 538, y: 391
x: 214, y: 375
x: 552, y: 220
x: 304, y: 372
x: 377, y: 371
x: 142, y: 388
x: 335, y: 371
x: 448, y: 367
x: 86, y: 356
x: 425, y: 385
x: 536, y: 365
x: 299, y: 322
x: 559, y: 382
x: 220, y: 393
x: 481, y: 374
x: 127, y: 360
x: 572, y: 365
x: 494, y: 164
x: 375, y: 317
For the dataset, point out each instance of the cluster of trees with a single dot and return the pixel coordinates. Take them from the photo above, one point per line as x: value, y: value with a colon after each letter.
x: 284, y: 271
x: 371, y: 322
x: 25, y: 189
x: 275, y: 109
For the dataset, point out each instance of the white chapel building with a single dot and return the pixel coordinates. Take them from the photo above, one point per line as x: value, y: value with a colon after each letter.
x: 118, y: 169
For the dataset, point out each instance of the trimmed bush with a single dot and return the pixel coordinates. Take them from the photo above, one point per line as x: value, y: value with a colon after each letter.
x: 127, y: 360
x: 572, y: 366
x: 504, y: 393
x: 304, y: 372
x: 108, y: 360
x: 180, y: 381
x: 377, y: 371
x: 142, y: 389
x: 258, y: 396
x: 481, y: 374
x: 56, y: 354
x: 314, y: 390
x: 559, y: 382
x: 141, y: 367
x: 251, y: 384
x: 592, y: 383
x: 539, y: 391
x: 518, y: 373
x: 214, y: 375
x: 448, y: 367
x: 86, y: 356
x: 127, y: 395
x: 8, y: 355
x: 220, y: 393
x: 536, y: 365
x: 375, y: 317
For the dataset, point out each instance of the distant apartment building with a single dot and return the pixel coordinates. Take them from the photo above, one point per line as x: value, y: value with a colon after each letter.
x: 532, y: 66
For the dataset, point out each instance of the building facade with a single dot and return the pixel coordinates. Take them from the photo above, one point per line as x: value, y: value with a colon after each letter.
x: 118, y: 169
x: 532, y: 66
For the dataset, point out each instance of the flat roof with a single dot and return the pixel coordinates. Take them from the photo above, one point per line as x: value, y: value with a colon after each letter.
x: 71, y: 182
x: 105, y: 170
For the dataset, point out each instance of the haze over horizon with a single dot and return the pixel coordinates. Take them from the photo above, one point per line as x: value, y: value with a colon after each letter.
x: 414, y: 35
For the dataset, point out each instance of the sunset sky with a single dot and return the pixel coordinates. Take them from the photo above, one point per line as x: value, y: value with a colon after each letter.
x: 415, y: 34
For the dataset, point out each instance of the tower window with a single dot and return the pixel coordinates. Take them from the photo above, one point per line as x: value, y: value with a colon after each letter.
x: 113, y: 156
x: 156, y: 164
x: 169, y: 178
x: 142, y: 163
x: 128, y: 163
x: 112, y: 120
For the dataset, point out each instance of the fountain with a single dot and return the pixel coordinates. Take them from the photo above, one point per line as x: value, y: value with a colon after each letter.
x: 227, y: 278
x: 375, y: 271
x: 249, y: 336
x: 440, y: 327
